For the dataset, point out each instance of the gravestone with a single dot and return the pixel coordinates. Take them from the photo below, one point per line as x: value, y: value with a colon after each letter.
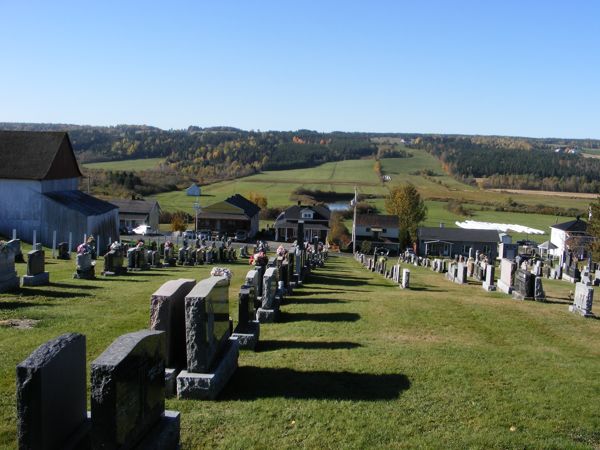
x: 538, y: 290
x: 271, y: 300
x: 167, y: 313
x: 572, y: 274
x: 84, y: 266
x: 15, y: 245
x: 8, y: 275
x: 508, y: 251
x: 247, y: 331
x: 253, y: 280
x: 211, y: 355
x: 583, y: 300
x: 405, y: 279
x: 63, y: 250
x: 488, y: 284
x: 128, y: 395
x: 507, y: 269
x: 36, y: 276
x: 524, y: 285
x: 51, y: 395
x: 596, y: 281
x: 461, y: 273
x: 113, y: 263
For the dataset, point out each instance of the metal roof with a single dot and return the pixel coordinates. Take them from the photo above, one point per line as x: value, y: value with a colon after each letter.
x: 81, y: 202
x: 457, y: 234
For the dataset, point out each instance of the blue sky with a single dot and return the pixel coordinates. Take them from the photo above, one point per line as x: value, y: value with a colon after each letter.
x: 523, y: 68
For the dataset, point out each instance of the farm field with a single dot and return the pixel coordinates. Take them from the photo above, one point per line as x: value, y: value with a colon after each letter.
x: 129, y: 165
x: 342, y: 176
x: 355, y: 362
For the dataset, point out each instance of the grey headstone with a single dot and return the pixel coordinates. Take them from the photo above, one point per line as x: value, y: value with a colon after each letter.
x: 167, y: 313
x: 128, y: 390
x: 405, y: 278
x: 206, y: 322
x: 35, y: 262
x: 51, y: 394
x: 538, y: 291
x: 8, y: 275
x: 583, y: 300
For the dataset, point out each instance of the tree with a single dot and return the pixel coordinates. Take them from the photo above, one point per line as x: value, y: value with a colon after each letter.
x: 338, y: 233
x: 258, y: 199
x: 594, y: 229
x: 405, y: 202
x: 178, y: 222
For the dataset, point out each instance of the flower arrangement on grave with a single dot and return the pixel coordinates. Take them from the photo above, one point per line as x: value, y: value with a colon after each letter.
x: 281, y: 251
x: 221, y: 272
x: 259, y: 259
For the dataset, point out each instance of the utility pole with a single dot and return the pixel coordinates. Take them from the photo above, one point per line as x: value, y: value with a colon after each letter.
x: 354, y: 201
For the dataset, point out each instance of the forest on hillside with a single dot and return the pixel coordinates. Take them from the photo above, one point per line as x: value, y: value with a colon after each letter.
x: 514, y: 163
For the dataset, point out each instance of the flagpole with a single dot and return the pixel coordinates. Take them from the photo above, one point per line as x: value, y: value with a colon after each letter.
x: 354, y: 223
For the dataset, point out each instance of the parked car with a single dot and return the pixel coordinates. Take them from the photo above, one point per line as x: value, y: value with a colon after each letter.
x: 124, y: 230
x: 189, y: 234
x: 240, y: 236
x: 143, y: 230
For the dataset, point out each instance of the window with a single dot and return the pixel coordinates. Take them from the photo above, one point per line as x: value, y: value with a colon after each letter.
x: 307, y: 215
x: 486, y: 249
x: 384, y: 230
x: 368, y: 230
x: 465, y: 250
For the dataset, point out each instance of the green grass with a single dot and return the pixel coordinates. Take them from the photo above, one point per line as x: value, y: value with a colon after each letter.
x: 355, y: 363
x: 129, y: 165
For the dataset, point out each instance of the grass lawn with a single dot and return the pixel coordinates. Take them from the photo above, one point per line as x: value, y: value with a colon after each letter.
x: 355, y: 362
x: 129, y: 165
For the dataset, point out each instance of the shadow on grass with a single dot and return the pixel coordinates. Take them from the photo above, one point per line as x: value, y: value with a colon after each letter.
x: 287, y: 317
x: 73, y: 286
x: 10, y: 305
x: 557, y: 301
x: 337, y: 281
x: 312, y: 301
x: 332, y: 290
x: 423, y: 288
x: 323, y: 385
x: 119, y: 278
x: 267, y: 346
x: 35, y: 292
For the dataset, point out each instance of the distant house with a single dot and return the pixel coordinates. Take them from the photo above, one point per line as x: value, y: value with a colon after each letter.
x: 138, y: 212
x: 376, y: 227
x: 39, y: 191
x: 193, y: 190
x: 315, y: 219
x: 571, y: 235
x: 235, y: 213
x: 442, y: 241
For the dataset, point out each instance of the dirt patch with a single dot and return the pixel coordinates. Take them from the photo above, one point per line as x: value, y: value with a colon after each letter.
x: 546, y: 193
x: 21, y: 324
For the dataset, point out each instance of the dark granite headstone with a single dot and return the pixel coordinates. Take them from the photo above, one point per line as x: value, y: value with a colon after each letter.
x: 128, y: 390
x: 167, y: 313
x: 246, y: 311
x: 51, y: 395
x: 524, y: 285
x: 206, y: 322
x: 35, y: 262
x: 63, y: 251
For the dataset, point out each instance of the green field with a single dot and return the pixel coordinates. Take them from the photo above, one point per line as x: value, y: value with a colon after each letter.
x: 129, y: 165
x: 342, y: 176
x: 355, y: 362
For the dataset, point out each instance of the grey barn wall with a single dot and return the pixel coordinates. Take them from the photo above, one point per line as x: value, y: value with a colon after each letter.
x: 63, y: 220
x: 20, y: 207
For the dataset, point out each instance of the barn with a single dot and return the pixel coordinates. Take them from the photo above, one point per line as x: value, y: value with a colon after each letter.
x: 39, y: 191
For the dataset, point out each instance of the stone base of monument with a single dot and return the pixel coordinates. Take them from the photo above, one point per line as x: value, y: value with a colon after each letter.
x: 582, y: 312
x: 81, y: 438
x: 206, y: 386
x: 157, y: 266
x: 504, y: 287
x: 8, y: 283
x: 267, y: 315
x: 170, y: 382
x: 118, y: 271
x: 85, y: 274
x: 516, y: 295
x: 488, y: 287
x: 41, y: 279
x: 247, y: 335
x: 164, y: 435
x: 568, y: 278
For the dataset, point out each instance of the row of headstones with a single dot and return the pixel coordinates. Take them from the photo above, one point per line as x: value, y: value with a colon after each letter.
x: 189, y: 256
x: 378, y: 264
x: 10, y: 252
x: 524, y: 285
x: 127, y: 396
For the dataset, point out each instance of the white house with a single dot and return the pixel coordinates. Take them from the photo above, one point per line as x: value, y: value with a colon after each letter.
x: 376, y: 227
x: 138, y: 212
x: 315, y: 221
x: 571, y: 235
x: 39, y: 191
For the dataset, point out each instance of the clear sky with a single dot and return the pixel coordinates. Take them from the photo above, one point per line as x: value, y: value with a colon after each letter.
x: 528, y: 68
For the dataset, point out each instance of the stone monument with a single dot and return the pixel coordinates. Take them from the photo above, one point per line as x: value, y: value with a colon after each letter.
x: 85, y: 266
x: 36, y: 276
x: 247, y: 330
x: 507, y: 269
x: 212, y: 356
x: 8, y: 275
x: 582, y: 302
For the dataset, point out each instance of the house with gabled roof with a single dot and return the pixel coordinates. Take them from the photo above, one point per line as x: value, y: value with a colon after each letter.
x: 569, y: 236
x: 377, y: 227
x: 133, y: 213
x: 448, y: 242
x: 235, y: 213
x: 315, y: 219
x: 39, y: 178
